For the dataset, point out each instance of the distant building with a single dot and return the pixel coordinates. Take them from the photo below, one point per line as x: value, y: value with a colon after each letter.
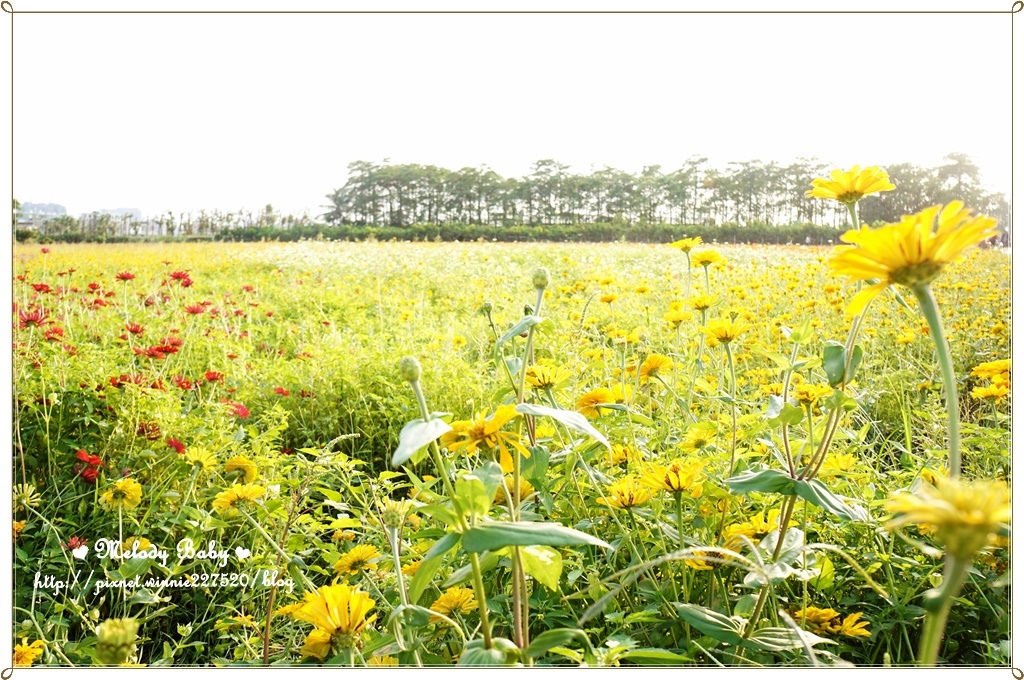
x: 42, y: 210
x: 133, y: 213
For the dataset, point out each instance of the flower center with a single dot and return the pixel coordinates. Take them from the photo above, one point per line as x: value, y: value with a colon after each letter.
x: 916, y: 274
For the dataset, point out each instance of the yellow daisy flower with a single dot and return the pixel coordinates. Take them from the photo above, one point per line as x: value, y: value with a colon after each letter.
x: 706, y: 258
x: 455, y: 599
x: 339, y: 612
x: 588, y: 403
x: 653, y: 366
x: 201, y: 458
x: 227, y: 500
x: 246, y: 466
x: 482, y: 432
x: 676, y: 477
x: 996, y: 392
x: 547, y: 377
x: 686, y: 244
x: 698, y: 438
x: 356, y: 559
x: 124, y: 494
x: 26, y: 655
x: 965, y: 515
x: 626, y: 493
x: 849, y: 186
x: 911, y: 252
x: 724, y: 330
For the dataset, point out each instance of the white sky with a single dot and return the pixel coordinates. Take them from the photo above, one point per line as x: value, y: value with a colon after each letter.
x: 180, y: 113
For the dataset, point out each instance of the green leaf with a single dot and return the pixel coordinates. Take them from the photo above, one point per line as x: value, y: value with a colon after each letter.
x: 144, y: 596
x: 488, y: 561
x: 833, y: 360
x: 765, y: 480
x: 535, y: 468
x: 858, y: 354
x: 475, y: 490
x: 523, y: 325
x: 817, y: 493
x: 632, y: 415
x: 826, y: 578
x: 431, y: 562
x: 782, y: 412
x: 653, y: 656
x: 571, y: 419
x: 415, y: 435
x: 723, y: 628
x: 803, y: 334
x: 557, y: 637
x: 779, y: 639
x: 542, y: 563
x: 494, y: 535
x: 503, y: 653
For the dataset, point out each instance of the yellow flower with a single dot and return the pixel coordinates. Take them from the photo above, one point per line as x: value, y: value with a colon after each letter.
x: 226, y: 500
x: 677, y: 316
x: 851, y: 627
x: 525, y: 490
x: 653, y: 365
x: 484, y: 432
x: 676, y: 477
x: 547, y: 377
x: 356, y: 559
x: 201, y: 458
x: 628, y: 492
x: 455, y: 599
x: 588, y: 403
x: 609, y: 298
x: 344, y: 534
x: 911, y: 252
x: 994, y: 392
x: 18, y: 528
x: 818, y: 621
x: 706, y: 258
x: 124, y: 494
x: 317, y: 643
x: 807, y: 394
x: 686, y: 244
x: 851, y: 185
x: 701, y: 302
x: 410, y: 568
x: 25, y: 496
x: 381, y: 661
x: 129, y: 544
x: 698, y: 438
x: 339, y: 612
x: 700, y: 560
x: 623, y: 452
x: 965, y: 515
x: 723, y: 330
x: 26, y: 655
x: 246, y: 466
x: 993, y: 370
x: 288, y: 609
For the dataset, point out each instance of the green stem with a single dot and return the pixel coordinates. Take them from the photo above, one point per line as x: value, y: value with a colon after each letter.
x: 938, y: 603
x: 395, y: 541
x: 732, y: 404
x: 930, y: 310
x: 474, y: 560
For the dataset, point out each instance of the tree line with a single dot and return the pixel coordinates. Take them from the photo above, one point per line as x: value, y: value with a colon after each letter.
x: 744, y: 193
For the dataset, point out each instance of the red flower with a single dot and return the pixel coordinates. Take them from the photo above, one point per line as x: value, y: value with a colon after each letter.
x: 186, y: 283
x: 248, y: 289
x: 135, y: 329
x: 179, y: 275
x: 238, y: 409
x: 41, y: 288
x: 44, y: 251
x: 124, y: 276
x: 150, y: 431
x: 75, y: 542
x: 32, y: 319
x: 195, y: 309
x: 183, y: 383
x: 94, y: 287
x: 89, y: 474
x: 88, y: 458
x: 98, y: 302
x: 176, y: 445
x: 172, y: 341
x: 305, y: 394
x: 214, y: 376
x: 54, y: 333
x: 282, y: 391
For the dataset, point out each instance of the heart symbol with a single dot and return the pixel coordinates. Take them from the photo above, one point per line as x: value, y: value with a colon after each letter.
x: 80, y: 552
x: 242, y: 552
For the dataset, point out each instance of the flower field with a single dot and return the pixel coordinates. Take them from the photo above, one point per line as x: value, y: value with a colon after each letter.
x: 634, y: 455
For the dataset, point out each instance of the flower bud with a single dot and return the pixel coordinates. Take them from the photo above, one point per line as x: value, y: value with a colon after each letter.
x: 394, y: 512
x: 115, y: 641
x: 409, y: 369
x: 487, y: 308
x: 541, y: 278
